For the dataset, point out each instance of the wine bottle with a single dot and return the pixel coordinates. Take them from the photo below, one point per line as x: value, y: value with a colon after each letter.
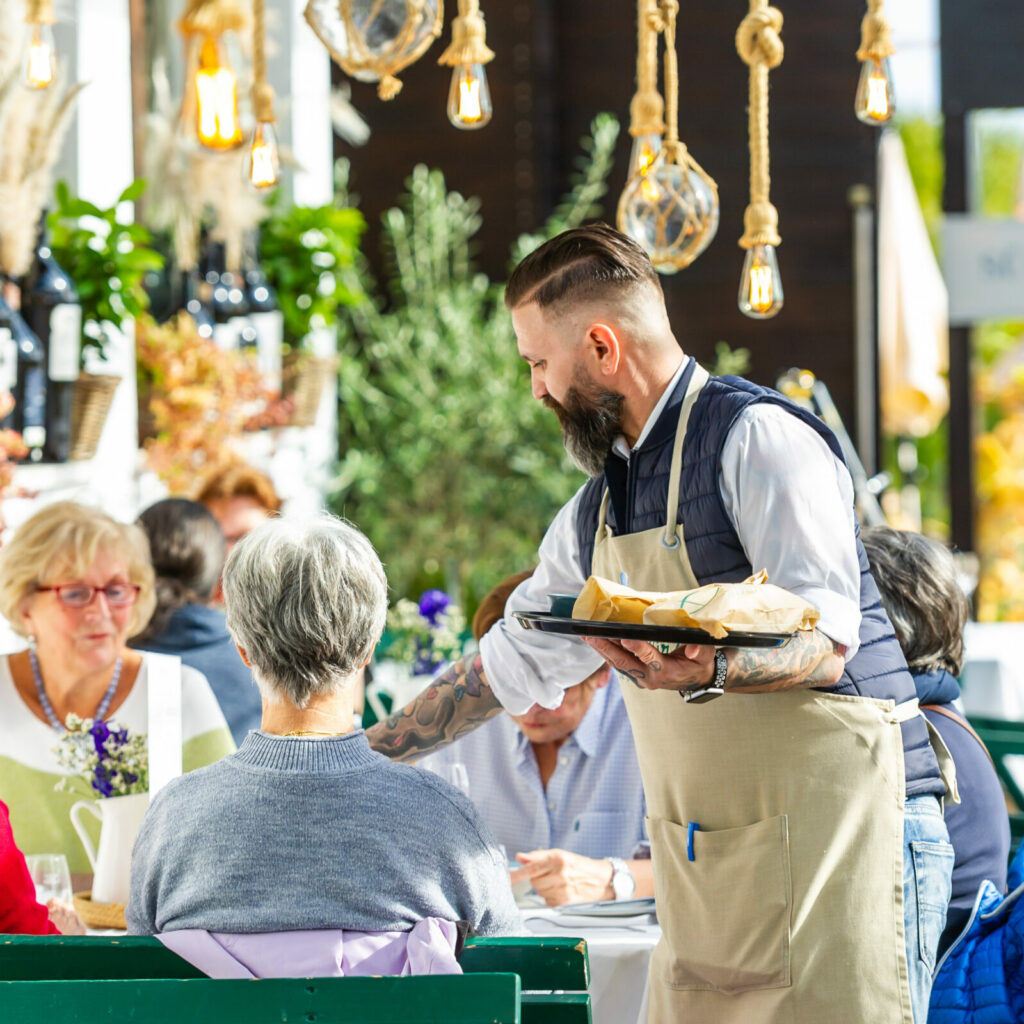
x: 29, y: 415
x: 225, y: 297
x: 194, y: 305
x: 51, y: 309
x: 8, y: 359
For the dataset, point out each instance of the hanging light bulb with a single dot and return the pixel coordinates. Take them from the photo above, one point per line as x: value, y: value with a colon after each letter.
x: 760, y: 294
x: 469, y: 99
x: 217, y: 124
x: 646, y: 146
x: 41, y: 53
x: 874, y: 102
x: 262, y: 164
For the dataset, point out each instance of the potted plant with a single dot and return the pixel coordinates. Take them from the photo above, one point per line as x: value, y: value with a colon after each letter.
x: 108, y: 259
x: 307, y: 253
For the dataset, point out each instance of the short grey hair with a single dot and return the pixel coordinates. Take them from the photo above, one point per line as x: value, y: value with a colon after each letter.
x: 916, y: 577
x: 306, y: 599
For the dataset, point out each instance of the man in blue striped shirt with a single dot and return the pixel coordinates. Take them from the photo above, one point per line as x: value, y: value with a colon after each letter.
x: 561, y: 788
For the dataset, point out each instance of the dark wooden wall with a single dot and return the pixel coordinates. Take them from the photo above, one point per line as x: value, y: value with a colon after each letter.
x: 560, y: 62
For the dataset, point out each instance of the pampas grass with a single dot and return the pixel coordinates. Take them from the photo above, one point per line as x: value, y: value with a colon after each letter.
x: 33, y: 124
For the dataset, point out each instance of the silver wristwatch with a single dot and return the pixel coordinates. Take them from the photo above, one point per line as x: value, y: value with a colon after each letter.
x: 623, y: 882
x: 709, y: 691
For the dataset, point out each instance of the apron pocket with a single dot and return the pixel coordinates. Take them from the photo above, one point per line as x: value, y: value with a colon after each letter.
x: 724, y: 914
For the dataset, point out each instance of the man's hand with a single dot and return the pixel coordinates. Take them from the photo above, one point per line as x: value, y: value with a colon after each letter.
x: 690, y: 665
x: 65, y: 918
x: 809, y: 659
x: 563, y: 877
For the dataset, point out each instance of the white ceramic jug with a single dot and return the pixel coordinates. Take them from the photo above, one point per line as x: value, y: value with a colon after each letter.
x: 120, y: 817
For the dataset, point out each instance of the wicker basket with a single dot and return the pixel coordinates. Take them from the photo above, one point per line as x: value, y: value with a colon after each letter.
x: 302, y: 380
x: 90, y: 403
x: 99, y: 915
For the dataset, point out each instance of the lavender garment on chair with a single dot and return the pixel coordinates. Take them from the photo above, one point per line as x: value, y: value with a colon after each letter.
x: 429, y: 948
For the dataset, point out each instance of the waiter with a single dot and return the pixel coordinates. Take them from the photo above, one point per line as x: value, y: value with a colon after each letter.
x: 782, y: 814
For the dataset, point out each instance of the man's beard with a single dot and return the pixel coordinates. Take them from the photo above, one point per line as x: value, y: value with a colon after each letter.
x: 591, y: 419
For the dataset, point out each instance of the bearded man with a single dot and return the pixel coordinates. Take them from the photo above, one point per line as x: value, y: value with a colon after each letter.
x: 801, y: 864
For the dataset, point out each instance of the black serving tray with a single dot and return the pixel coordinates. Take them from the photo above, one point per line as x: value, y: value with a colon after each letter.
x: 652, y: 634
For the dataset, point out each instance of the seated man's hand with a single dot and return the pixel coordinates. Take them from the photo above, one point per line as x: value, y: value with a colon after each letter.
x: 647, y: 667
x: 64, y: 917
x: 563, y: 877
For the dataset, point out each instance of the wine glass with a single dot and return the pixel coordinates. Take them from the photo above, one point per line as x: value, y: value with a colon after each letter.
x: 457, y: 774
x: 50, y: 875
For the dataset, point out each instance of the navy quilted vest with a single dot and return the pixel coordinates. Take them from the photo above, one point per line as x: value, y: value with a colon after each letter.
x: 637, y: 502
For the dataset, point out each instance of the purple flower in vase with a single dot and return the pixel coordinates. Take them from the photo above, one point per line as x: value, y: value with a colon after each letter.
x: 99, y: 732
x: 432, y: 603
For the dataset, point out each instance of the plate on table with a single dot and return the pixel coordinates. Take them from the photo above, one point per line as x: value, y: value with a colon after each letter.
x: 609, y: 908
x: 550, y: 623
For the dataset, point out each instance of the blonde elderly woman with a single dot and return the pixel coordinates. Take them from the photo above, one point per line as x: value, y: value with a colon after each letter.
x: 77, y: 584
x: 305, y: 827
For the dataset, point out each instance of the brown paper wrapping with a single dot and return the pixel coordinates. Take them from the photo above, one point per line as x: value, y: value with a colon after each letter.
x: 753, y: 606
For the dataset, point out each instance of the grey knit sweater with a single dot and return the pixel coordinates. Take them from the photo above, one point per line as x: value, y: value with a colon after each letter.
x: 291, y: 833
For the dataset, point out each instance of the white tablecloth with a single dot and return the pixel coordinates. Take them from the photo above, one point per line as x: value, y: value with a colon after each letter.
x: 993, y: 672
x: 619, y: 951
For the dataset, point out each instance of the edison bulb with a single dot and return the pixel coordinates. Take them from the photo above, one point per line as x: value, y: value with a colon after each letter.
x: 469, y: 99
x: 217, y: 124
x: 874, y: 103
x: 671, y: 212
x: 40, y: 56
x: 760, y: 294
x: 646, y: 146
x: 262, y: 164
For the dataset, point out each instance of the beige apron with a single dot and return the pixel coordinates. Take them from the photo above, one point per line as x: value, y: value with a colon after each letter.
x: 786, y: 905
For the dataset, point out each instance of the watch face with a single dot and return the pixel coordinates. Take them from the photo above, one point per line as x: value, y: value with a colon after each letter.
x: 623, y: 883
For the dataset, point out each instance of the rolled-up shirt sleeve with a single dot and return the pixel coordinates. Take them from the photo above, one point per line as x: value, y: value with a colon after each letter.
x: 791, y: 503
x: 527, y: 666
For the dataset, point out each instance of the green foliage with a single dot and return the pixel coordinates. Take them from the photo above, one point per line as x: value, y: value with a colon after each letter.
x: 307, y: 253
x: 729, y: 360
x: 448, y: 463
x: 107, y: 259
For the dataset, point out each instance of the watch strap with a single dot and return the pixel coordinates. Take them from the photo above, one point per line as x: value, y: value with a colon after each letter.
x: 623, y: 882
x: 721, y: 668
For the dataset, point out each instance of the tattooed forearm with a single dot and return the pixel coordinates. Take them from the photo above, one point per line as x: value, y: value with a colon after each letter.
x: 456, y: 702
x: 809, y: 659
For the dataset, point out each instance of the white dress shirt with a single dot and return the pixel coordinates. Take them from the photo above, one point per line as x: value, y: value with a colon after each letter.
x: 790, y: 501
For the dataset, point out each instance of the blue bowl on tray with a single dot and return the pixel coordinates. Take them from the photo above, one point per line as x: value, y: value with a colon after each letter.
x: 562, y: 604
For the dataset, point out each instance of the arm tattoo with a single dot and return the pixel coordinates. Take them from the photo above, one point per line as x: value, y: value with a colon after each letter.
x: 456, y: 702
x: 809, y: 659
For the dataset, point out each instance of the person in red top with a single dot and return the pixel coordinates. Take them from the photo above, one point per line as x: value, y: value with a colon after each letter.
x: 20, y: 912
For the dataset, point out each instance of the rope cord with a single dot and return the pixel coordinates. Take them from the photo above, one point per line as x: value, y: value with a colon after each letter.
x: 647, y: 108
x: 875, y: 34
x: 39, y: 12
x: 262, y: 90
x: 674, y: 149
x: 212, y: 17
x: 469, y: 38
x: 759, y: 47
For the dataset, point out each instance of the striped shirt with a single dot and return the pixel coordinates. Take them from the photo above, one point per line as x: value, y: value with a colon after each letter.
x: 594, y: 804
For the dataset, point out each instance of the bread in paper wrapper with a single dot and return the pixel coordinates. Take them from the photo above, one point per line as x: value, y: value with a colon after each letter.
x: 604, y: 601
x: 752, y: 606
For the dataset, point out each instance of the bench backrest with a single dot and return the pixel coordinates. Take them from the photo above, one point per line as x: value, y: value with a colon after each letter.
x: 554, y: 971
x: 430, y: 999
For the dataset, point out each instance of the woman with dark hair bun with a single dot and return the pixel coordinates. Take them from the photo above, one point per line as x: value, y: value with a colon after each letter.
x: 187, y: 548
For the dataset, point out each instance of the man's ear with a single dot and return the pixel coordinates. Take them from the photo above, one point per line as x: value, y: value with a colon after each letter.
x: 606, y: 348
x: 243, y: 655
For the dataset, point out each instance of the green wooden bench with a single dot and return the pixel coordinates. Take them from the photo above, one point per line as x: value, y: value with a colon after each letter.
x: 550, y: 976
x: 1003, y: 739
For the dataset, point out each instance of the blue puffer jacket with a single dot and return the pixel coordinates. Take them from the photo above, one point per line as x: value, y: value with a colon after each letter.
x: 981, y: 979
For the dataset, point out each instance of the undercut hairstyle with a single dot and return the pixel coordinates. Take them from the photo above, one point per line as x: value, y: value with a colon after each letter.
x: 492, y: 607
x: 187, y: 548
x: 586, y: 263
x: 59, y: 545
x: 238, y: 480
x: 306, y: 600
x: 916, y: 577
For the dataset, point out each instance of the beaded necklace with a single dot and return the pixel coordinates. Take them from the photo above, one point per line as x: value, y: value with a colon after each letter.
x: 47, y: 707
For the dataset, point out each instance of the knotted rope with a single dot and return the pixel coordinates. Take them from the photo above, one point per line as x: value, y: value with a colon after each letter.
x: 647, y: 108
x: 759, y: 46
x: 875, y: 34
x: 39, y: 12
x: 212, y: 17
x: 469, y: 38
x: 262, y: 90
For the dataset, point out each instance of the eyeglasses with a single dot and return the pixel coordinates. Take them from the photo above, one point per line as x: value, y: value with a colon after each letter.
x: 78, y: 595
